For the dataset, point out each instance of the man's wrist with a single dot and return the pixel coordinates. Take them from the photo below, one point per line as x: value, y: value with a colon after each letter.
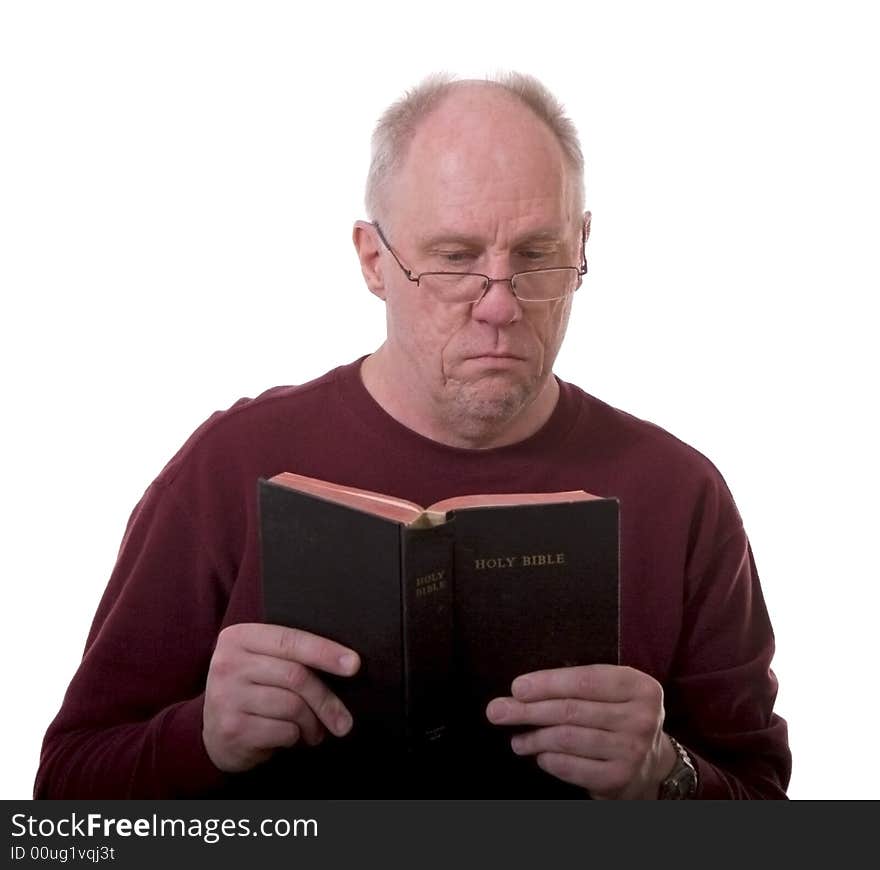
x: 667, y: 758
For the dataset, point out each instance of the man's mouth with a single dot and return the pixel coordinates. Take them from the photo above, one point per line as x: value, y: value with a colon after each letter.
x: 495, y: 355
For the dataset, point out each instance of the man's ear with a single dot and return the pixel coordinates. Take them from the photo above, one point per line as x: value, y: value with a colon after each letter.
x: 369, y: 250
x: 588, y: 217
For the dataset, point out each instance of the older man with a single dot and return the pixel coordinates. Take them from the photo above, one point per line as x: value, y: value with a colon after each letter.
x: 476, y: 247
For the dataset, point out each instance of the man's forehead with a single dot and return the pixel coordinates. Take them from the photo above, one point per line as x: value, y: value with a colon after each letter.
x: 443, y: 235
x: 460, y: 150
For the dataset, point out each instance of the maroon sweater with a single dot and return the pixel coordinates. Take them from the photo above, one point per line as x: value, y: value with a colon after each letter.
x: 692, y: 612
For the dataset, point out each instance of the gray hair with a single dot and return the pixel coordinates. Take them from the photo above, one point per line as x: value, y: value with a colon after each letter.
x: 396, y: 128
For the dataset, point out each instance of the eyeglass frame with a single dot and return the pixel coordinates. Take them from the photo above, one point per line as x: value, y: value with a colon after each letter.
x: 581, y: 271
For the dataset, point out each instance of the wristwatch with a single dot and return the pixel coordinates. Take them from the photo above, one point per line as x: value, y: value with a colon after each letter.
x: 681, y: 784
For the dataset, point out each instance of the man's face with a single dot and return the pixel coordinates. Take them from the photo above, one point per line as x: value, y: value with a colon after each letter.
x: 484, y: 188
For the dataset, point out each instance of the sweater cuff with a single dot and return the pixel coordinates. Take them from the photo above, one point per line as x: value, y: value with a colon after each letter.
x: 714, y: 783
x: 182, y: 760
x: 710, y: 784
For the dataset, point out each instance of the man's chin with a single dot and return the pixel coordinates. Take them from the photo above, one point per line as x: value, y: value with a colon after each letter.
x: 497, y: 396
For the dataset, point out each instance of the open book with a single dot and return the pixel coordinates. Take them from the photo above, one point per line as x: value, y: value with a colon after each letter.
x: 446, y: 604
x: 409, y: 513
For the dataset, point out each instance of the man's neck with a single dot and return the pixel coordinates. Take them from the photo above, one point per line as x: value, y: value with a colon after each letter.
x: 406, y: 404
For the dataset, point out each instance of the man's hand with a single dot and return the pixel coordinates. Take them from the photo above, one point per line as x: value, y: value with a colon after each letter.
x: 262, y: 693
x: 597, y: 726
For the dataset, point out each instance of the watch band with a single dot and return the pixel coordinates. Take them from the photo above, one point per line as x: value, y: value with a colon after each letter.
x: 681, y: 783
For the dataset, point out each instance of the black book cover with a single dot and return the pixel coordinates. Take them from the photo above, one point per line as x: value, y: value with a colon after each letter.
x: 373, y: 585
x: 536, y: 587
x: 443, y: 618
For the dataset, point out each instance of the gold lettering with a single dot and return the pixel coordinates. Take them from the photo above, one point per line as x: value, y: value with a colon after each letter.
x: 430, y: 578
x: 421, y: 591
x: 531, y: 560
x: 536, y: 559
x: 496, y: 562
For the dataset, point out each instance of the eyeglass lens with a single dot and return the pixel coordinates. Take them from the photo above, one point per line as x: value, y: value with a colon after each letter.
x: 539, y: 286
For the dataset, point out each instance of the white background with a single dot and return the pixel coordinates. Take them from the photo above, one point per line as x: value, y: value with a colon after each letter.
x: 178, y: 182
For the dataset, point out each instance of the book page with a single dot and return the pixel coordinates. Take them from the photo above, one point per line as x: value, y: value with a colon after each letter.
x: 397, y: 509
x: 509, y: 498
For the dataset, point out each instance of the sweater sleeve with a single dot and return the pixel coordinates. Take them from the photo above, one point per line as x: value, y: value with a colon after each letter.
x: 131, y: 721
x: 721, y: 698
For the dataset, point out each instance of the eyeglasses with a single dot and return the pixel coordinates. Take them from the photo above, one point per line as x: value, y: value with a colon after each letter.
x: 534, y: 285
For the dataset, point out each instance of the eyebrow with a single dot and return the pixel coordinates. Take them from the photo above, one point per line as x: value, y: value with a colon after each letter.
x: 455, y: 238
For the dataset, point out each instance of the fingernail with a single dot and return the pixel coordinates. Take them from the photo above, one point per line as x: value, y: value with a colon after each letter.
x: 521, y: 686
x: 343, y: 724
x: 348, y: 662
x: 497, y: 711
x: 516, y: 744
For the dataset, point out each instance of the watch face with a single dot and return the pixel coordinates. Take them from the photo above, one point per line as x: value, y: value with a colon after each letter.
x: 677, y: 788
x: 680, y: 784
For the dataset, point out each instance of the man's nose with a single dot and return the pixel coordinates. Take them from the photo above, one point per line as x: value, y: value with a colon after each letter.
x: 498, y: 305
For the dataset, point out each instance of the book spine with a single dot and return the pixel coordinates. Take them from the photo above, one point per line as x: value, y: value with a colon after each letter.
x: 427, y: 636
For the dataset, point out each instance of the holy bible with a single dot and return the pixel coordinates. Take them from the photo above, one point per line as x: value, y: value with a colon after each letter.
x: 445, y: 605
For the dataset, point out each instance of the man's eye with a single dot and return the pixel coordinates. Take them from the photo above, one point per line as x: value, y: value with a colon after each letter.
x: 534, y: 255
x: 456, y: 256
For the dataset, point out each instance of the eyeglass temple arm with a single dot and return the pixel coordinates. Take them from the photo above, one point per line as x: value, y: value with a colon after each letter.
x: 583, y: 268
x: 407, y: 272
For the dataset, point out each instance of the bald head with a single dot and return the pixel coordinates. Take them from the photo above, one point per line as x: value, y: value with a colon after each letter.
x: 478, y: 147
x: 440, y: 111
